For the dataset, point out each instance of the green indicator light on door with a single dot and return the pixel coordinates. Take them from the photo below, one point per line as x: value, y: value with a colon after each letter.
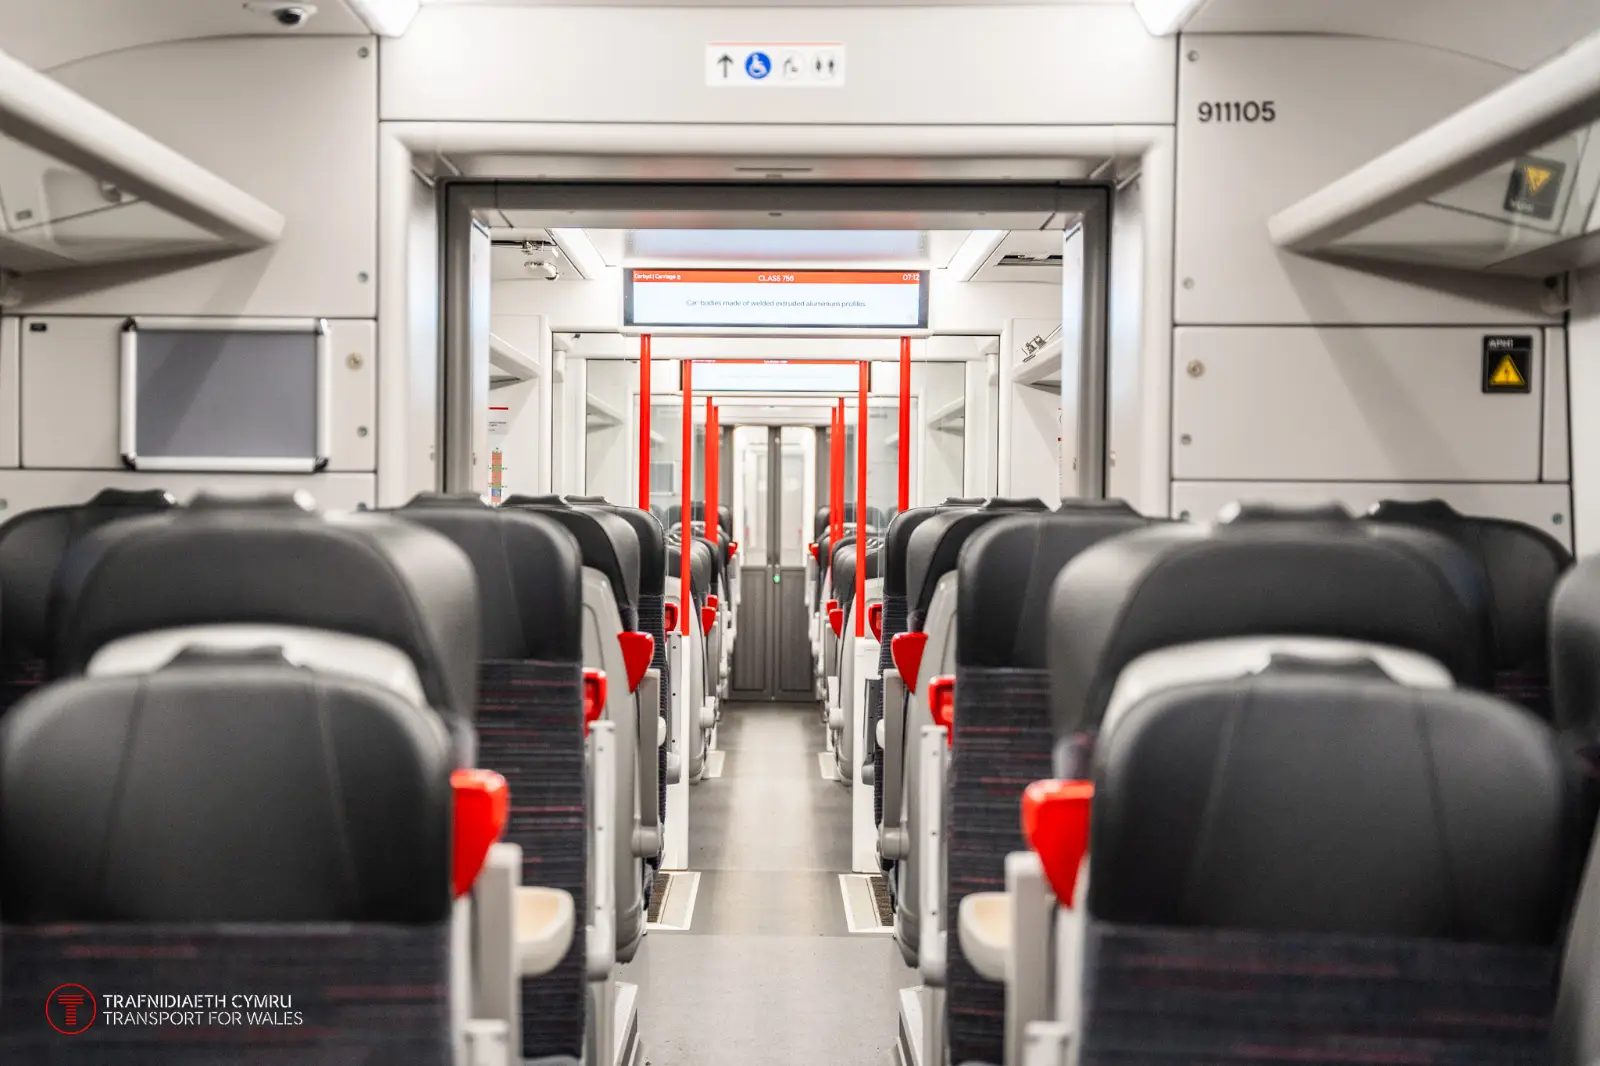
x: 776, y: 578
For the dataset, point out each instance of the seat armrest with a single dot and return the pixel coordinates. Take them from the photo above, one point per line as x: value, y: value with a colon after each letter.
x: 984, y: 923
x: 648, y: 840
x: 1029, y: 972
x: 545, y: 920
x: 497, y: 995
x: 933, y: 751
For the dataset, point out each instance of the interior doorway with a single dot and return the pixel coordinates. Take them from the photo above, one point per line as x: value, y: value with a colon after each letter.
x: 772, y: 499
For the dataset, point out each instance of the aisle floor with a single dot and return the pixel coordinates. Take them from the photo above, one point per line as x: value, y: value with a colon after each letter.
x: 768, y: 974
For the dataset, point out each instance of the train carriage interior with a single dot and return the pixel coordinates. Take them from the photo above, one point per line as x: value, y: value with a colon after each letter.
x: 909, y: 533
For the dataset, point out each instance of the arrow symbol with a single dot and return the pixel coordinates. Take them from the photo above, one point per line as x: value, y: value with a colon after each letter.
x: 725, y: 62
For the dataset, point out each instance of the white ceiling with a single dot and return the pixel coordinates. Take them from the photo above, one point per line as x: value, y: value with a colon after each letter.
x: 48, y: 33
x: 1519, y: 34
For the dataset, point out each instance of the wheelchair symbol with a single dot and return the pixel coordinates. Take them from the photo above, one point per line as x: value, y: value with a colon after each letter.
x: 757, y: 65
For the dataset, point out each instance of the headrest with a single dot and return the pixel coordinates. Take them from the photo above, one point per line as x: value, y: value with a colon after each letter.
x: 202, y: 793
x: 844, y: 569
x: 299, y: 500
x: 699, y: 568
x: 1243, y: 512
x: 897, y: 545
x: 1181, y: 583
x: 529, y: 574
x: 1331, y: 803
x: 963, y: 501
x: 1520, y: 566
x: 608, y: 544
x: 364, y: 574
x: 936, y: 545
x: 1575, y: 650
x: 1006, y: 572
x: 31, y: 549
x: 1079, y: 505
x: 652, y: 540
x: 1004, y: 503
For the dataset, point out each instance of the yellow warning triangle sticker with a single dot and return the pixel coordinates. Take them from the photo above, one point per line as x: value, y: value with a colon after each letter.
x: 1506, y: 375
x: 1535, y: 178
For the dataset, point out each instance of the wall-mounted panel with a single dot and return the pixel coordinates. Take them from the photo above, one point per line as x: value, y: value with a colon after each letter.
x: 26, y: 490
x: 1084, y: 64
x: 70, y: 369
x: 1557, y: 427
x: 10, y: 392
x: 1264, y: 121
x: 1547, y: 507
x: 1351, y: 404
x: 293, y: 122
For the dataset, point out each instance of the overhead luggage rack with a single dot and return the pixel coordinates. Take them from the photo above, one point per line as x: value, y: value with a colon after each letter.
x: 1507, y: 185
x: 81, y: 186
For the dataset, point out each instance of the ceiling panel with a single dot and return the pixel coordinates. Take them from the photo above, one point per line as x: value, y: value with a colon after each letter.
x: 48, y: 33
x: 534, y: 167
x: 1520, y: 34
x: 1025, y: 256
x: 732, y: 247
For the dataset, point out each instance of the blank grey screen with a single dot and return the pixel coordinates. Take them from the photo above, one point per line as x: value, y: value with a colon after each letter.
x: 212, y: 394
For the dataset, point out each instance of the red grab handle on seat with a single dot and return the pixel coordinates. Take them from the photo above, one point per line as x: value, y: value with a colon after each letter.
x: 906, y: 650
x: 733, y: 548
x: 875, y: 620
x: 482, y: 805
x: 836, y: 619
x: 942, y: 704
x: 830, y: 605
x: 669, y: 618
x: 713, y: 601
x: 1055, y: 823
x: 637, y: 651
x: 816, y: 553
x: 708, y: 617
x: 594, y: 697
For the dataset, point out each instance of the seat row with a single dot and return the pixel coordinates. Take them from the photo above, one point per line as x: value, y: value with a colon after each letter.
x: 406, y: 766
x: 1288, y: 787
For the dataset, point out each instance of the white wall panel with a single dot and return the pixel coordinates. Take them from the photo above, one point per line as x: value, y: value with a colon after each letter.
x: 1546, y: 507
x: 10, y: 392
x: 1583, y: 379
x: 1339, y: 102
x: 1080, y: 64
x: 292, y: 122
x: 70, y: 372
x: 1349, y: 404
x: 1557, y: 459
x: 25, y: 490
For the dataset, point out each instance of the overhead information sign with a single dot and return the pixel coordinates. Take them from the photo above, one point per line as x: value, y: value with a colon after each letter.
x: 776, y: 299
x: 1508, y: 364
x: 784, y: 377
x: 755, y: 65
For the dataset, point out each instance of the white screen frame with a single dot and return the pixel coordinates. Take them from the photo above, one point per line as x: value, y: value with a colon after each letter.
x: 925, y: 296
x: 128, y: 341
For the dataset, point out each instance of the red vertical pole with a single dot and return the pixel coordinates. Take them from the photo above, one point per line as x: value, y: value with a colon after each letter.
x: 865, y: 387
x: 838, y: 473
x: 644, y: 422
x: 687, y: 536
x: 905, y: 423
x: 713, y: 472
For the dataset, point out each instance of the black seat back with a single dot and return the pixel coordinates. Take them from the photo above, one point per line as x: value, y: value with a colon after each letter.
x: 1266, y: 572
x: 608, y: 543
x: 1003, y: 730
x: 32, y: 546
x: 1520, y: 566
x: 229, y: 822
x: 529, y: 720
x: 1370, y: 865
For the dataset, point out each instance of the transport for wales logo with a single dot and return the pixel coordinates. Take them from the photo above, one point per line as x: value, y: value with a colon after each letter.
x: 71, y: 1009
